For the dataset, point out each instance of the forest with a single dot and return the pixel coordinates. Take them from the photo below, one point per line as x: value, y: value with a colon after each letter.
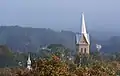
x: 53, y: 54
x: 57, y: 60
x: 27, y: 39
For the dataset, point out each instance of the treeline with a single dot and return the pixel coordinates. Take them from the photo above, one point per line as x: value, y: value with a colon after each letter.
x: 25, y: 39
x: 56, y: 60
x: 30, y: 39
x: 10, y: 58
x: 57, y: 67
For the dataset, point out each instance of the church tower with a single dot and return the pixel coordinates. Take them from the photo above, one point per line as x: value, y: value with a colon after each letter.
x: 82, y: 39
x: 29, y: 63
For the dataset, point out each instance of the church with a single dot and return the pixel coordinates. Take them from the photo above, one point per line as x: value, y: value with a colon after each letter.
x: 82, y: 39
x: 82, y: 42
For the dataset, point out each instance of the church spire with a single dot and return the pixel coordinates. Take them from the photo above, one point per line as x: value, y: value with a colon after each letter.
x: 83, y: 28
x: 29, y: 63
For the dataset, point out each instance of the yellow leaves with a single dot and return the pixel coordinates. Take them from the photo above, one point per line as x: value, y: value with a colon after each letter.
x: 53, y: 67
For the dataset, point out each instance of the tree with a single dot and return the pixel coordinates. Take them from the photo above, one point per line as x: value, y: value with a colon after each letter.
x: 59, y: 50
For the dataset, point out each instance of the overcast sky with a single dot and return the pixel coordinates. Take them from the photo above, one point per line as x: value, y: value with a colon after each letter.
x: 61, y: 14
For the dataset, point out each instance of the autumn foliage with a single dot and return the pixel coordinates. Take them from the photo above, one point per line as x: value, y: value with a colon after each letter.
x: 55, y: 67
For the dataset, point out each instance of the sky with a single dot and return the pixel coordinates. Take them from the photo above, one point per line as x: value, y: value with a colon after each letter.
x: 61, y: 14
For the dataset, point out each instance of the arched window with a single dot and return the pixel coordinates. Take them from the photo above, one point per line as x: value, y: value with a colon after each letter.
x: 85, y: 50
x: 81, y: 50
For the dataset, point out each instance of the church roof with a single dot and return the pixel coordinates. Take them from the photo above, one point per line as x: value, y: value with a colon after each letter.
x: 83, y: 32
x: 78, y: 37
x: 87, y: 38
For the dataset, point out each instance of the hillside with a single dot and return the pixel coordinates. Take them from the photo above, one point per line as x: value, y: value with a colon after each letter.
x: 30, y: 39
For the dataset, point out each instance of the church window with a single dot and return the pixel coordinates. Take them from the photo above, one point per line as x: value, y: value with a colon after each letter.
x: 85, y: 50
x: 81, y: 50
